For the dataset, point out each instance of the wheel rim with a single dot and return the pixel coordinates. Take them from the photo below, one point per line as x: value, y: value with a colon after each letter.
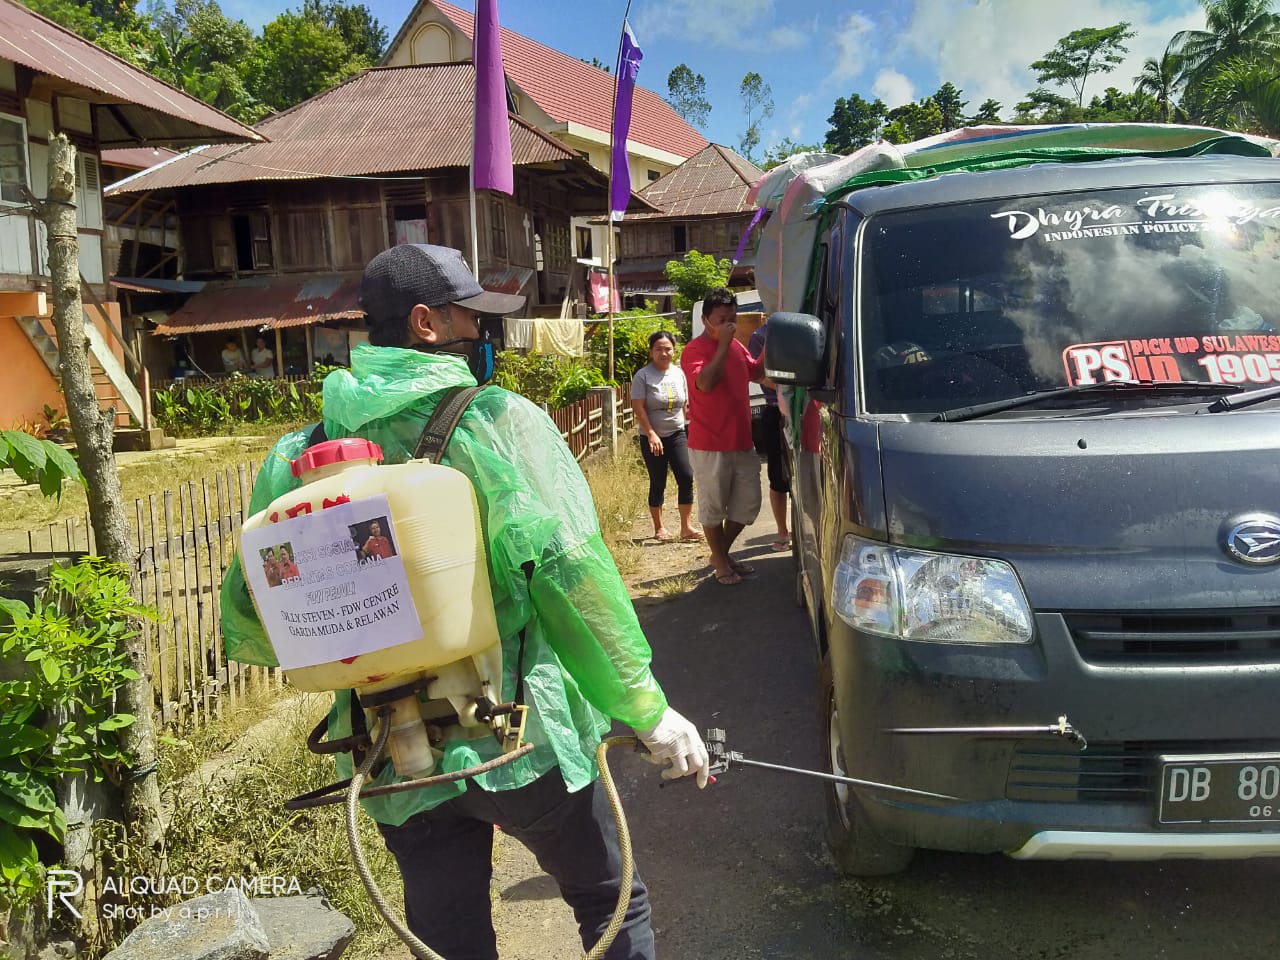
x: 837, y: 762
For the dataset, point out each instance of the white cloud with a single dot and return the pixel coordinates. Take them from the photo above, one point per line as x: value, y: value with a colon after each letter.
x: 893, y: 88
x: 851, y: 46
x: 785, y: 38
x: 984, y: 46
x: 736, y: 24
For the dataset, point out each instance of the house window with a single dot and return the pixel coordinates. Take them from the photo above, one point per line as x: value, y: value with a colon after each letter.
x: 252, y: 233
x: 679, y: 241
x: 584, y: 242
x: 409, y: 223
x: 13, y: 159
x: 558, y: 248
x: 498, y: 227
x: 653, y: 175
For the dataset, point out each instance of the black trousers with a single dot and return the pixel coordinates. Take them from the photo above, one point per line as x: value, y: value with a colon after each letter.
x: 675, y: 454
x: 767, y: 435
x: 446, y: 859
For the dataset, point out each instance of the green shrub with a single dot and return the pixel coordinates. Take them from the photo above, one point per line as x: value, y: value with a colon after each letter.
x: 201, y: 410
x: 631, y: 332
x: 545, y: 379
x: 57, y: 713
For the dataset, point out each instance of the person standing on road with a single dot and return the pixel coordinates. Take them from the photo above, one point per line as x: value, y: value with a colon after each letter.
x: 562, y: 610
x: 725, y: 466
x: 771, y: 447
x: 659, y: 395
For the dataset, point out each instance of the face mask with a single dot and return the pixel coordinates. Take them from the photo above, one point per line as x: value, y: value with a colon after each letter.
x: 478, y: 353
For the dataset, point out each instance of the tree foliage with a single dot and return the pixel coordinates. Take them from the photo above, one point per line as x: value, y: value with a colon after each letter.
x: 854, y: 123
x: 757, y: 105
x: 785, y: 148
x: 1235, y: 31
x: 913, y: 121
x: 1081, y: 53
x: 688, y: 95
x: 1161, y: 79
x: 195, y: 46
x: 988, y: 112
x: 695, y: 275
x: 948, y: 100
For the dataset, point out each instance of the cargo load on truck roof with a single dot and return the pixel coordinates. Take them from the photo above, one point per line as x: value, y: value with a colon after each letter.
x: 798, y: 191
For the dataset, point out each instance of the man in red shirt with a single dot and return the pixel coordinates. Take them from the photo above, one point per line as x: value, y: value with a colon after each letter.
x: 726, y: 469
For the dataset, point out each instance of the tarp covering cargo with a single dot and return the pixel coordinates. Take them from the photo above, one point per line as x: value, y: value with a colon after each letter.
x: 798, y: 190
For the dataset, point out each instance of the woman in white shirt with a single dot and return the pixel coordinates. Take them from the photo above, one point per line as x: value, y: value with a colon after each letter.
x: 264, y: 360
x: 659, y: 395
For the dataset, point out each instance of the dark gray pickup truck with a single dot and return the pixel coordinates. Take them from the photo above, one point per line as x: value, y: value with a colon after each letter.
x: 1036, y: 453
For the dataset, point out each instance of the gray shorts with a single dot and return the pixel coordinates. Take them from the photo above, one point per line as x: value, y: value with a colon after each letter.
x: 727, y: 485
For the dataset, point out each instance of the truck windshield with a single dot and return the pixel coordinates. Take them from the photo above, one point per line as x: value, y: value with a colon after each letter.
x: 982, y: 301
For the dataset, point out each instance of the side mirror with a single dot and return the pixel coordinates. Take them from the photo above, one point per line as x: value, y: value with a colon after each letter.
x: 795, y: 350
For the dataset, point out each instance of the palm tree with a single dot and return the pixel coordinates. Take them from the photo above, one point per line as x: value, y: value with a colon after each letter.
x: 1245, y: 94
x: 1160, y: 79
x: 1237, y: 29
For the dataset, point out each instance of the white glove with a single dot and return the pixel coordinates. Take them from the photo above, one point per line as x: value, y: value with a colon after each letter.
x: 676, y: 741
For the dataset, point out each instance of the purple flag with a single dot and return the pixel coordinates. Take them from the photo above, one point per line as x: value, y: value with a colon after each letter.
x: 491, y: 158
x: 620, y: 171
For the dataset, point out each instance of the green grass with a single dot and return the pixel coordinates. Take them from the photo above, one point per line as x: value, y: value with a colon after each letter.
x: 226, y: 785
x: 619, y: 486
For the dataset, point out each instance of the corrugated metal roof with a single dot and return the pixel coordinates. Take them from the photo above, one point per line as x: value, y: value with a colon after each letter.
x: 506, y: 280
x: 270, y: 302
x: 571, y: 91
x: 384, y: 121
x: 133, y: 106
x: 136, y: 158
x: 713, y: 183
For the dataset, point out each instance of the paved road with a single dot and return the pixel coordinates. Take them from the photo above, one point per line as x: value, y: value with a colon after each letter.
x: 740, y: 871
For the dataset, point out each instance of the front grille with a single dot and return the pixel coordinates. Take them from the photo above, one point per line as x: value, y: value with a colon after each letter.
x: 1176, y: 638
x: 1054, y: 771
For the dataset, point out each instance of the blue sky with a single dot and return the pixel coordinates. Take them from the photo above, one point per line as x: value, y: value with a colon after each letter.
x: 812, y: 51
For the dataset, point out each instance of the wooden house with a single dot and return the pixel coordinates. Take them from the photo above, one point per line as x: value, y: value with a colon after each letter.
x: 52, y: 81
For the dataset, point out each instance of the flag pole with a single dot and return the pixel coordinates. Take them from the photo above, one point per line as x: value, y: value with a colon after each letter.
x: 613, y: 118
x: 471, y: 170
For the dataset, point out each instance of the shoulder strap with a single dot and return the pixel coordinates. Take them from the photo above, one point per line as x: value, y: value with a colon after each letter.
x: 444, y: 419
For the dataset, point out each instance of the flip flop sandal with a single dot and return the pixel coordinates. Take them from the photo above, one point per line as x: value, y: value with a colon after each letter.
x: 743, y: 569
x: 729, y: 579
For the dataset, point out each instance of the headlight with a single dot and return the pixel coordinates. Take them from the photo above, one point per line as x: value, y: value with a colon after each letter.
x: 940, y: 597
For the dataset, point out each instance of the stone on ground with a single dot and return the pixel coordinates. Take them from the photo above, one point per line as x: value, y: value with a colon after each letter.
x: 304, y: 927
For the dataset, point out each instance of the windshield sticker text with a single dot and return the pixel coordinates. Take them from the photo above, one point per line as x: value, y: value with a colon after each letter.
x: 1235, y: 358
x: 1159, y: 213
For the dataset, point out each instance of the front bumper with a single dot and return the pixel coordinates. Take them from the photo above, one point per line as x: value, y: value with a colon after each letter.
x: 1032, y: 795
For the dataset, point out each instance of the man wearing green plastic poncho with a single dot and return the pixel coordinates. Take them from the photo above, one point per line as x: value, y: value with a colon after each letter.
x: 585, y: 658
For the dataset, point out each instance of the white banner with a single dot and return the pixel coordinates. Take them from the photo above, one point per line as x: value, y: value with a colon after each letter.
x: 330, y: 584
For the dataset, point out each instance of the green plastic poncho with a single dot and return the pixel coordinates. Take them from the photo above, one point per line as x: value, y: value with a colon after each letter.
x: 585, y: 660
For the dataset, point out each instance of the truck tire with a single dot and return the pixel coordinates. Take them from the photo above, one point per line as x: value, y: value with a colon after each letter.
x: 856, y: 849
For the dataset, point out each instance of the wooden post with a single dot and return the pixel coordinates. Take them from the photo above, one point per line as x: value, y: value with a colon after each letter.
x: 92, y: 430
x: 280, y: 353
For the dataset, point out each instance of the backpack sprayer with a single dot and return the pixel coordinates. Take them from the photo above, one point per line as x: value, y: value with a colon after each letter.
x: 372, y: 578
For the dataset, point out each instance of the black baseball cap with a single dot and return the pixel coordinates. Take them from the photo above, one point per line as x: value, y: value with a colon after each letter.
x: 397, y: 280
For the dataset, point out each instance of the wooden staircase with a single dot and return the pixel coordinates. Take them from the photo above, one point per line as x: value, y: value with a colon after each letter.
x: 116, y: 391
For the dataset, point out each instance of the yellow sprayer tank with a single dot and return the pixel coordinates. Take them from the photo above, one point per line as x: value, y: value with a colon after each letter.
x: 344, y: 547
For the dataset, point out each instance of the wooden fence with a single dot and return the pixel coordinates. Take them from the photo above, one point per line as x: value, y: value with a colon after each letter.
x: 186, y: 539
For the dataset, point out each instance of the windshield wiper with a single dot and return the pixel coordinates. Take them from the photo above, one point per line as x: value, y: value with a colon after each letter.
x: 1114, y: 388
x: 1247, y: 399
